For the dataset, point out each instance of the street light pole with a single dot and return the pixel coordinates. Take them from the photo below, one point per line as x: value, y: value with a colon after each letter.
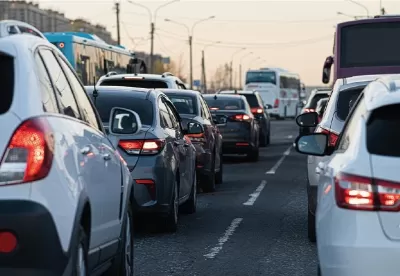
x: 203, y: 66
x: 361, y: 5
x: 231, y: 66
x: 152, y: 27
x: 240, y: 68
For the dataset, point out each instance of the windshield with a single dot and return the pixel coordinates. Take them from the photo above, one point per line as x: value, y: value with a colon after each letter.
x: 184, y: 104
x: 141, y: 83
x: 261, y: 76
x: 345, y: 101
x: 224, y: 103
x: 105, y: 102
x: 372, y: 44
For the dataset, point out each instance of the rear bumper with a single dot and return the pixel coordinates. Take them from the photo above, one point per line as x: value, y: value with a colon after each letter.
x: 244, y: 147
x: 39, y: 251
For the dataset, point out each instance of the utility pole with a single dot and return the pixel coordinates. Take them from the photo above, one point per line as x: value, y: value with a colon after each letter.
x: 240, y: 76
x: 203, y: 73
x: 191, y: 60
x: 118, y: 27
x: 151, y: 46
x: 231, y: 72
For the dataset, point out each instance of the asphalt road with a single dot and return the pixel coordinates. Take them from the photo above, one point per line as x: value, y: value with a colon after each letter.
x: 254, y: 224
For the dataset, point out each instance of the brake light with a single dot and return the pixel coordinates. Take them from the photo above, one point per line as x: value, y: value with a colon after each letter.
x: 276, y: 103
x: 150, y: 185
x: 142, y: 147
x: 240, y: 117
x: 333, y: 137
x: 257, y: 110
x: 306, y: 110
x: 197, y: 138
x: 29, y: 154
x: 363, y: 193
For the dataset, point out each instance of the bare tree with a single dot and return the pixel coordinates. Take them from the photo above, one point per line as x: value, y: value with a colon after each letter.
x: 177, y: 68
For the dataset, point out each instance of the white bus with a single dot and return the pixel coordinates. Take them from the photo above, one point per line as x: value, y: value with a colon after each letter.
x: 279, y: 89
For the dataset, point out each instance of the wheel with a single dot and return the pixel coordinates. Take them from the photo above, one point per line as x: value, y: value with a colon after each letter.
x: 123, y: 263
x: 81, y: 255
x: 263, y: 139
x: 208, y: 181
x: 311, y: 227
x: 171, y: 221
x: 189, y: 207
x: 269, y: 138
x: 219, y: 175
x: 253, y: 155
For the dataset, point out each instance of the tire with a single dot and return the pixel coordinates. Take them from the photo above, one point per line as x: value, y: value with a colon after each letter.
x: 80, y: 257
x: 123, y: 263
x: 171, y: 221
x: 219, y: 176
x: 208, y: 181
x: 253, y: 156
x: 319, y: 271
x: 263, y: 140
x: 269, y: 138
x: 311, y: 227
x: 190, y: 206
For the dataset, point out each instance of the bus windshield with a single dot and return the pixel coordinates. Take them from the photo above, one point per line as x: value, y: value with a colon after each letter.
x: 261, y: 76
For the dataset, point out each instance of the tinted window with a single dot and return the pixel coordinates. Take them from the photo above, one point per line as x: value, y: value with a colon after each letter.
x: 7, y: 82
x: 383, y: 132
x: 345, y: 100
x: 260, y: 76
x: 136, y: 83
x: 321, y: 106
x: 252, y: 100
x: 66, y: 98
x: 46, y: 88
x: 361, y: 45
x: 82, y: 98
x: 314, y: 100
x: 106, y: 101
x: 184, y: 104
x: 174, y: 119
x: 165, y: 119
x: 225, y: 103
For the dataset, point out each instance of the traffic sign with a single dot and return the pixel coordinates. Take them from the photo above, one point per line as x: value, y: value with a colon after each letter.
x: 196, y: 83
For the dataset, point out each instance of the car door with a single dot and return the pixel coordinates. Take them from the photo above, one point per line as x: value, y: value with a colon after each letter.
x: 211, y: 132
x: 112, y: 166
x: 182, y: 146
x: 83, y: 148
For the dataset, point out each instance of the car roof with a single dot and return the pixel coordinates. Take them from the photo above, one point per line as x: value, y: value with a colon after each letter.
x: 142, y: 76
x: 224, y: 96
x: 363, y: 78
x: 382, y: 92
x: 121, y: 91
x: 17, y: 24
x: 180, y: 91
x: 244, y: 92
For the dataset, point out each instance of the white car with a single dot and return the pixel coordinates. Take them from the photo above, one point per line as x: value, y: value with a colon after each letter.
x: 12, y: 27
x: 357, y: 218
x: 64, y: 189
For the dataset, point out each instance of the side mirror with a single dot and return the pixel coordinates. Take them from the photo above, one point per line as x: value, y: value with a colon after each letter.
x: 124, y: 122
x: 326, y: 71
x: 312, y: 144
x: 194, y: 128
x: 268, y: 106
x: 309, y: 119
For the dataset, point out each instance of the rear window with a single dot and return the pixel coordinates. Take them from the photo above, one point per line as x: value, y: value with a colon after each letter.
x: 7, y: 82
x: 314, y: 100
x: 225, y: 103
x: 383, y: 132
x: 105, y: 102
x: 184, y: 104
x: 346, y: 99
x: 136, y: 83
x: 252, y: 100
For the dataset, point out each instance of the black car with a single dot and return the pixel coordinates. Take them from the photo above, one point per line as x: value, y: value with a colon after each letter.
x: 192, y: 107
x: 238, y: 126
x: 259, y: 112
x: 315, y: 96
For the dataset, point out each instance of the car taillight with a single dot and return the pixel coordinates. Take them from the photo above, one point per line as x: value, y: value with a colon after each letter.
x: 142, y: 147
x: 29, y: 154
x: 257, y: 110
x: 306, y: 110
x: 276, y: 103
x: 197, y: 138
x: 333, y: 137
x: 240, y: 117
x: 150, y: 185
x: 363, y: 193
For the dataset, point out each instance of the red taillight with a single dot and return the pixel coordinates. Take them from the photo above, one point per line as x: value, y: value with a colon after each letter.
x: 29, y: 154
x: 363, y: 193
x: 197, y: 138
x: 276, y: 103
x: 333, y: 137
x: 144, y: 147
x: 257, y: 110
x: 8, y: 242
x: 151, y: 186
x: 240, y: 117
x: 306, y: 110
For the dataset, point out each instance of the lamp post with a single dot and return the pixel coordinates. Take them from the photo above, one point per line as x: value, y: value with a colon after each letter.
x: 203, y: 66
x: 361, y: 5
x: 240, y: 67
x: 231, y: 66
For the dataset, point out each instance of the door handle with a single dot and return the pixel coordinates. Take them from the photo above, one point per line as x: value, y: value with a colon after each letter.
x: 107, y: 156
x: 86, y: 150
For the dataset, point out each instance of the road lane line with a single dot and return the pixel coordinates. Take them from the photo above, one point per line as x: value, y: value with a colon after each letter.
x: 280, y: 161
x: 290, y: 136
x: 256, y: 194
x: 228, y: 232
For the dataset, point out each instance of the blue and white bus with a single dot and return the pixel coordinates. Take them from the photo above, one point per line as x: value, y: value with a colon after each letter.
x: 92, y: 58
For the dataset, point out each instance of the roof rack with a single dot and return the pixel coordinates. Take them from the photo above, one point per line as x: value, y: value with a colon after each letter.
x: 167, y: 74
x: 112, y: 73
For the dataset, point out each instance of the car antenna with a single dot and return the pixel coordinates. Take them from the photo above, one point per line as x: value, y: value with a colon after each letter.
x: 95, y: 92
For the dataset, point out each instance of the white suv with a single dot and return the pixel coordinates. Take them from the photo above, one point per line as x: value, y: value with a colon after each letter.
x: 64, y: 189
x: 151, y: 81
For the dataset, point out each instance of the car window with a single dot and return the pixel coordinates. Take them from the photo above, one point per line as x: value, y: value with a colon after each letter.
x: 351, y: 127
x: 314, y: 100
x: 383, y: 132
x: 206, y: 111
x: 82, y: 98
x: 164, y: 115
x: 65, y: 96
x: 252, y: 100
x: 46, y: 87
x: 225, y: 103
x: 184, y: 104
x: 107, y: 101
x: 174, y: 119
x: 7, y: 82
x: 141, y: 83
